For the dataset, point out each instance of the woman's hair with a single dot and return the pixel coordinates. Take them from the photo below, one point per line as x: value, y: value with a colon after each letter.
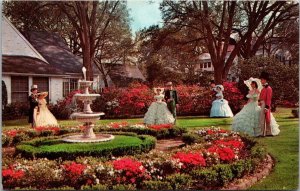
x: 255, y: 83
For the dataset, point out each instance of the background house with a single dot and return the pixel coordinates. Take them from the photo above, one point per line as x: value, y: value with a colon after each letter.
x: 43, y: 58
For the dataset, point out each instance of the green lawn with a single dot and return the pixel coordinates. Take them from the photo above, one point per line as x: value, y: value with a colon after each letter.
x: 284, y: 147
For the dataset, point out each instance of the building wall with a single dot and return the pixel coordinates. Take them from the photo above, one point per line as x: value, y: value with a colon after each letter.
x: 56, y: 89
x: 7, y: 81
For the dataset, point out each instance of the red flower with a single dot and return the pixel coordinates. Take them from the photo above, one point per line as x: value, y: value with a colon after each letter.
x: 190, y: 159
x: 53, y: 129
x: 129, y: 169
x: 161, y: 126
x: 74, y: 170
x: 11, y: 133
x: 235, y: 144
x: 225, y: 153
x: 117, y: 125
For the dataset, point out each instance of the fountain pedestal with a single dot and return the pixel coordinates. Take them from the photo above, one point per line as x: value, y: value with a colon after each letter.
x: 88, y: 117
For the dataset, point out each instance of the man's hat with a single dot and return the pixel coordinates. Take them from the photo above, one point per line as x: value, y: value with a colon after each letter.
x: 264, y: 75
x: 34, y: 87
x: 169, y: 84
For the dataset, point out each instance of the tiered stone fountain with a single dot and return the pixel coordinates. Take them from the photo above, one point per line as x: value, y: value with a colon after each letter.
x: 88, y: 117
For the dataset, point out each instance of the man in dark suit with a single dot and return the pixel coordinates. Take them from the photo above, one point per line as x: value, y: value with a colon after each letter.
x: 33, y: 102
x: 171, y: 98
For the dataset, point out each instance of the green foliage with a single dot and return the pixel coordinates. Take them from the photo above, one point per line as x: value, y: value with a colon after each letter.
x: 295, y: 112
x: 207, y: 177
x: 283, y: 88
x: 62, y: 188
x: 159, y: 134
x: 238, y: 168
x: 4, y: 94
x: 191, y: 138
x: 180, y: 181
x: 156, y: 185
x: 258, y: 152
x: 225, y: 174
x: 55, y: 148
x: 124, y: 187
x: 15, y: 110
x: 95, y: 187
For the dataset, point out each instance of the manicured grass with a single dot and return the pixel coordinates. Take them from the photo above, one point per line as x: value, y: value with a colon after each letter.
x: 56, y: 148
x: 284, y: 147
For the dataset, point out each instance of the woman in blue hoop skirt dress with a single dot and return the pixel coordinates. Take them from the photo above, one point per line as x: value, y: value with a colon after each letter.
x: 220, y: 107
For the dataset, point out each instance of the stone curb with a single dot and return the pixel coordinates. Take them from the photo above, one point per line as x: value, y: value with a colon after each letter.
x: 249, y: 180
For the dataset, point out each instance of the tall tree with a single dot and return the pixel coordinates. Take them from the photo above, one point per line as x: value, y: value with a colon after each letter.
x: 215, y: 21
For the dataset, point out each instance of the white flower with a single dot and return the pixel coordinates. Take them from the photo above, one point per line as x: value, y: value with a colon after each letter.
x: 97, y: 181
x: 111, y: 173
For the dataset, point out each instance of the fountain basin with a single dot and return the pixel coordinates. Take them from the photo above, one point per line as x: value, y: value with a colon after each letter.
x: 85, y: 83
x: 87, y: 117
x: 86, y: 97
x: 82, y: 139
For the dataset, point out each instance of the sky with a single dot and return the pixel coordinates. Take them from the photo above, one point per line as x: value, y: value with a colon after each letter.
x: 144, y: 14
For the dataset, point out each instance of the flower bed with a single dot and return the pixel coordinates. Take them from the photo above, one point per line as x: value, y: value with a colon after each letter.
x: 210, y: 165
x: 13, y: 137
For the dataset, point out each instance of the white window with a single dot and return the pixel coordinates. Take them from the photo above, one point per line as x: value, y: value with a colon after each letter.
x: 19, y: 89
x: 69, y: 85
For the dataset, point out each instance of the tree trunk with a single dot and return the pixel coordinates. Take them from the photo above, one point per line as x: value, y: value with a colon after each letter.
x: 218, y: 74
x: 105, y: 81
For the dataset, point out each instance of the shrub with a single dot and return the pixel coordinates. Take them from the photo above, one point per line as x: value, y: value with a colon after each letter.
x: 191, y: 138
x: 180, y: 181
x: 207, y: 177
x: 258, y: 152
x: 95, y: 187
x: 238, y: 168
x: 156, y: 185
x: 225, y: 174
x: 4, y: 94
x: 295, y: 112
x: 124, y: 187
x: 15, y: 110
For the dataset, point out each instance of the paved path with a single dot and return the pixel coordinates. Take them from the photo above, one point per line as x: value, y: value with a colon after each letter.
x: 168, y: 144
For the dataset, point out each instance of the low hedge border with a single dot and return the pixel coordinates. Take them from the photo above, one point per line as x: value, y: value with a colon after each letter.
x: 30, y: 134
x: 29, y: 149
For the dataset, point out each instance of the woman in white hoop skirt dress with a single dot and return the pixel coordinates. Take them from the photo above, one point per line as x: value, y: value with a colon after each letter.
x: 220, y: 107
x: 42, y: 116
x: 158, y: 112
x: 247, y: 120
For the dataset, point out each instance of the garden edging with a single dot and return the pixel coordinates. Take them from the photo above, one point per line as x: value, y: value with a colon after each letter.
x: 249, y: 180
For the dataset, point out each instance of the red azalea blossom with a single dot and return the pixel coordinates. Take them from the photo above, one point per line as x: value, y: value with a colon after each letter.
x: 11, y: 133
x: 13, y: 174
x: 40, y: 129
x: 74, y: 170
x: 161, y: 126
x: 231, y: 143
x: 190, y: 159
x: 117, y: 125
x: 130, y: 170
x: 225, y: 153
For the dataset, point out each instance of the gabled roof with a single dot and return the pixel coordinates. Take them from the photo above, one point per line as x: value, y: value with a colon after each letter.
x: 123, y: 74
x: 55, y: 51
x: 15, y: 44
x: 28, y: 66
